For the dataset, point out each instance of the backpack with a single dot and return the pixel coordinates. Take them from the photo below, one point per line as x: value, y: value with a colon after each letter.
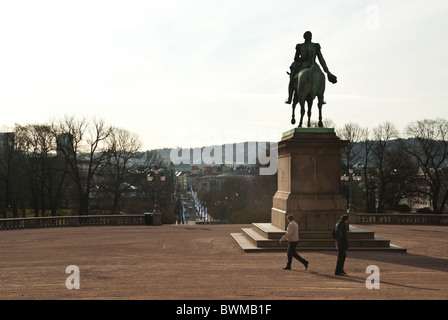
x: 333, y: 232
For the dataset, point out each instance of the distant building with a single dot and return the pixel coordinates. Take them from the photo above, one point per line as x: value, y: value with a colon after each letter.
x: 64, y: 144
x: 182, y: 180
x: 225, y: 168
x: 209, y: 183
x: 6, y: 142
x: 195, y: 170
x: 208, y: 170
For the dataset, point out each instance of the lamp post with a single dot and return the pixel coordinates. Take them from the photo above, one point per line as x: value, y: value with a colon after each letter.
x: 349, y: 180
x: 156, y: 178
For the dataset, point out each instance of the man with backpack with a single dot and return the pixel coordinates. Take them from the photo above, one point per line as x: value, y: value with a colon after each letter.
x: 339, y: 233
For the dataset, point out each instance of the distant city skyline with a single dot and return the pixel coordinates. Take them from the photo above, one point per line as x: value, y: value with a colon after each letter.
x: 197, y: 73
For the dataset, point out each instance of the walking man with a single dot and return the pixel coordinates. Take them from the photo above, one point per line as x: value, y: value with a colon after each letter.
x: 292, y: 236
x: 340, y: 235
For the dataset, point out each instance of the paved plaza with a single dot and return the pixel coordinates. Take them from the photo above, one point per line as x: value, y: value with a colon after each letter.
x: 202, y: 262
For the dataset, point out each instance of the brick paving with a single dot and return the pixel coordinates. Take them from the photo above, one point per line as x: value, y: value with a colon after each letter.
x: 203, y: 262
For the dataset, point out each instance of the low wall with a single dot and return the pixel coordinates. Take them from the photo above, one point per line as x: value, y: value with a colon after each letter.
x: 409, y: 219
x: 71, y: 221
x: 139, y: 219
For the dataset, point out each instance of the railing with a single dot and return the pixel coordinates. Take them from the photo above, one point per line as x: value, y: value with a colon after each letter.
x: 71, y: 221
x: 213, y: 222
x: 139, y: 219
x: 412, y: 219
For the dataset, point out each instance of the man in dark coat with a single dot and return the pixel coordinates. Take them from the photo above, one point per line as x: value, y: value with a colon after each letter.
x: 340, y: 235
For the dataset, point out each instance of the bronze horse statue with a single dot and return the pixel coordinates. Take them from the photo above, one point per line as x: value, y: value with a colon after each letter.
x: 310, y: 84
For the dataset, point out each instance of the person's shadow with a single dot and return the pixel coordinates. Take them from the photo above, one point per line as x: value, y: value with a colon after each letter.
x: 361, y: 280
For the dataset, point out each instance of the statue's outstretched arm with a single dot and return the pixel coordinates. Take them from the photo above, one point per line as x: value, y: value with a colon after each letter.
x: 322, y: 61
x: 332, y: 78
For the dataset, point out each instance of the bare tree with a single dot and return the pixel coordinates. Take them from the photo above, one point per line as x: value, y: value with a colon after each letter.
x: 429, y: 146
x: 122, y: 147
x: 353, y: 133
x: 38, y: 143
x: 367, y: 146
x: 351, y: 153
x: 384, y: 159
x: 8, y: 156
x: 83, y: 147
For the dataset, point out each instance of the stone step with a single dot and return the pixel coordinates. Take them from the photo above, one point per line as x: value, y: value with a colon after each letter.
x: 244, y: 242
x: 260, y: 240
x: 272, y: 232
x: 269, y: 230
x: 248, y: 246
x: 264, y: 237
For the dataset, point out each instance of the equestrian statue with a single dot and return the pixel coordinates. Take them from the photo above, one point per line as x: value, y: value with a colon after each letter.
x: 306, y: 79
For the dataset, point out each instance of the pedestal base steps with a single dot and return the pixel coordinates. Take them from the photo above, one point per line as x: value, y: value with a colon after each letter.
x: 264, y: 237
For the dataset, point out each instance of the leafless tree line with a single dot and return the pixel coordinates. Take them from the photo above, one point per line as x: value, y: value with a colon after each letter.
x: 63, y: 163
x: 396, y: 166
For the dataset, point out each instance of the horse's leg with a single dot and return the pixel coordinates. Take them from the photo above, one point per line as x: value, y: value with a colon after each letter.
x: 302, y: 112
x: 295, y: 100
x: 319, y: 105
x: 293, y: 120
x: 310, y: 105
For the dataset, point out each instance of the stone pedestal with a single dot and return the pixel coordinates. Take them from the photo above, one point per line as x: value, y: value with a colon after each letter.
x: 309, y: 184
x: 309, y: 187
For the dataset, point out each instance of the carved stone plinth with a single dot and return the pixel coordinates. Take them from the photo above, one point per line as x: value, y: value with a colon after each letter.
x: 309, y: 187
x: 309, y: 184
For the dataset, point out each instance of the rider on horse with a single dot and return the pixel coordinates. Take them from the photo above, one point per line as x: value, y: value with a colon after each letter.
x: 304, y: 58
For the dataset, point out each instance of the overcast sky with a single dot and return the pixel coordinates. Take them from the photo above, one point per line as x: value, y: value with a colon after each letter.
x: 197, y: 72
